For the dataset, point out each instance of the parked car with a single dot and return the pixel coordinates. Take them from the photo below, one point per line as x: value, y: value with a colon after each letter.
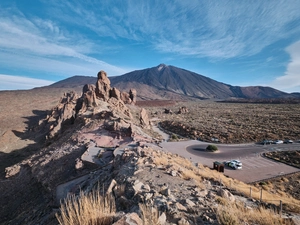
x: 288, y: 142
x: 267, y: 142
x: 278, y: 142
x: 235, y: 164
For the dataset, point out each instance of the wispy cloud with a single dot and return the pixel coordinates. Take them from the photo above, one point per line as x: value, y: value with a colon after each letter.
x: 8, y: 82
x: 290, y: 81
x: 220, y: 29
x: 41, y: 39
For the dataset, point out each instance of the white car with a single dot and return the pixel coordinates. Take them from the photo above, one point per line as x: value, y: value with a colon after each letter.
x: 235, y: 164
x: 278, y: 142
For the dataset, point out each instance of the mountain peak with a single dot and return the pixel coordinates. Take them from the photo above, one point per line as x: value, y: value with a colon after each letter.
x: 161, y: 66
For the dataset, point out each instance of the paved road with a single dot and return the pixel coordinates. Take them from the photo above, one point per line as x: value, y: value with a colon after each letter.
x: 255, y: 167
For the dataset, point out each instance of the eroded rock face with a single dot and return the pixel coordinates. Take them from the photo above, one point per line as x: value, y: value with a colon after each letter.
x: 119, y: 106
x: 144, y: 119
x: 64, y: 112
x: 115, y: 93
x: 102, y: 86
x: 88, y: 96
x: 132, y: 96
x: 129, y: 98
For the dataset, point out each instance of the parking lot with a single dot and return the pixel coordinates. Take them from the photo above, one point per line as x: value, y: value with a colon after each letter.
x: 255, y: 167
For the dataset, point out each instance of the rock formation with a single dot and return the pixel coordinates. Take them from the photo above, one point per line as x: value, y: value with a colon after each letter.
x: 144, y: 119
x: 115, y: 93
x: 132, y: 95
x: 129, y: 98
x: 183, y: 110
x: 63, y: 113
x: 88, y: 97
x: 102, y: 86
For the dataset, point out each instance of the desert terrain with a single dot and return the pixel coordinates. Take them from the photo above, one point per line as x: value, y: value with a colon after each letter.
x: 47, y: 147
x: 228, y: 122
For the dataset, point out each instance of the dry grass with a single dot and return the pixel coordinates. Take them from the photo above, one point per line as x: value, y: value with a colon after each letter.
x: 150, y: 215
x: 189, y: 171
x: 87, y: 209
x: 235, y: 214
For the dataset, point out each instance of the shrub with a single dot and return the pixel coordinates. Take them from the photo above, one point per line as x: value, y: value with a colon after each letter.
x: 174, y: 137
x: 212, y: 148
x: 91, y: 208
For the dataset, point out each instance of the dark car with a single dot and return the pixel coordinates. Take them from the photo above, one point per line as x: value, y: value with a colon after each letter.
x: 288, y: 142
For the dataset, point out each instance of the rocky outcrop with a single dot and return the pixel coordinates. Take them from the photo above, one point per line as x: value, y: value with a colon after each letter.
x: 132, y: 95
x: 183, y: 110
x: 94, y: 99
x: 88, y: 97
x: 115, y: 93
x: 63, y: 113
x: 144, y: 119
x: 129, y: 98
x: 102, y: 86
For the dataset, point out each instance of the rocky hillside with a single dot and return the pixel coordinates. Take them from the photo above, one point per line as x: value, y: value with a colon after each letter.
x: 170, y: 82
x: 102, y: 143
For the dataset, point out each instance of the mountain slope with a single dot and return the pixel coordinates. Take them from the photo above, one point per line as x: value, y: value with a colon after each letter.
x: 183, y: 82
x: 169, y: 82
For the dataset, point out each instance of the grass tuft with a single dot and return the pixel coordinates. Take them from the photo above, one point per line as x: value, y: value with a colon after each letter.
x: 87, y: 209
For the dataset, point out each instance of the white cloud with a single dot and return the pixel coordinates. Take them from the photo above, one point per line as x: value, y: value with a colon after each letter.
x: 220, y: 29
x: 9, y: 82
x: 290, y: 81
x: 39, y: 40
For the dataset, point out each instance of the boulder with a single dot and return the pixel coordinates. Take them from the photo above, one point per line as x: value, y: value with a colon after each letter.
x: 144, y: 120
x: 180, y: 207
x: 12, y: 171
x: 162, y: 219
x: 125, y: 97
x: 129, y: 219
x: 226, y: 194
x: 115, y: 93
x: 78, y: 164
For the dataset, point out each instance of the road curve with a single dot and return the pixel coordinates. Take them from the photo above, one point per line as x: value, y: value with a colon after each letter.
x: 255, y: 167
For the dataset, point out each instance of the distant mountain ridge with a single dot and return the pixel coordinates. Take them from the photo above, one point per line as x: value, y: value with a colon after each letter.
x: 170, y: 82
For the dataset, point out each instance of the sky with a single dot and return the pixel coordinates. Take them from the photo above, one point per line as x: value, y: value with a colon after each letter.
x: 242, y: 43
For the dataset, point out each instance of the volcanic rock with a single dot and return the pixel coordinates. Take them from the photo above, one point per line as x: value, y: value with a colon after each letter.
x: 102, y: 86
x: 88, y: 96
x: 115, y: 93
x: 144, y: 119
x: 64, y: 112
x: 132, y: 95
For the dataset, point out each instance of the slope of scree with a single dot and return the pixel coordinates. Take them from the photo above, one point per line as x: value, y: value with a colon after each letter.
x: 103, y: 140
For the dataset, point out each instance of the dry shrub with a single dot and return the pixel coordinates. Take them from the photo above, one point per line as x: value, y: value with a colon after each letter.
x: 234, y: 214
x: 87, y: 209
x: 150, y: 215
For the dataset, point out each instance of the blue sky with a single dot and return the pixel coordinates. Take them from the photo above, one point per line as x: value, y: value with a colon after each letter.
x: 244, y: 43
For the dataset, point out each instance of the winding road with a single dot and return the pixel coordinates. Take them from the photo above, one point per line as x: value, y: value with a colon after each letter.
x: 255, y: 167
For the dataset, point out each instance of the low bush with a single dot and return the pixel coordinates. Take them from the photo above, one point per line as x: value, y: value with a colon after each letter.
x: 212, y: 148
